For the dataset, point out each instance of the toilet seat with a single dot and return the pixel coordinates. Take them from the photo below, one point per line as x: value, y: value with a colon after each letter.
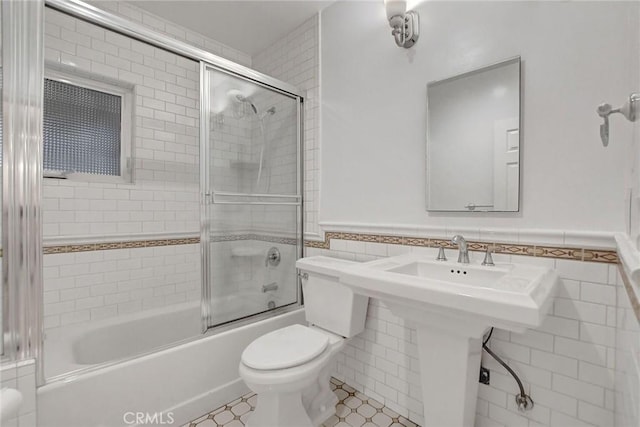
x: 285, y: 348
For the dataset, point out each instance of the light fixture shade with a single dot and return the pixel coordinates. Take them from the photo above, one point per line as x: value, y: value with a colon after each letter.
x: 395, y: 7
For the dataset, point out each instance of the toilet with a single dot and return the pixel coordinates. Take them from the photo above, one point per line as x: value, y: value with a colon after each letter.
x: 289, y: 368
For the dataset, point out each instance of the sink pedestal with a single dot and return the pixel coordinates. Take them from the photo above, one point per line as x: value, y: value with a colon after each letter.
x: 449, y: 349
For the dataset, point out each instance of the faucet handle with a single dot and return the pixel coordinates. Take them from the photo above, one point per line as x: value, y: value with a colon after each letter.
x: 441, y: 254
x: 488, y: 259
x: 458, y: 239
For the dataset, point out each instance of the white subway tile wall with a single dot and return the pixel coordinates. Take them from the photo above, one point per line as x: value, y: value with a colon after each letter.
x: 627, y: 367
x: 252, y: 151
x: 238, y: 270
x: 161, y: 25
x: 163, y: 196
x: 567, y: 365
x: 89, y: 286
x: 296, y: 60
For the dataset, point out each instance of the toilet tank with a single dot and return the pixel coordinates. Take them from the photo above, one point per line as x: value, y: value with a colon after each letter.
x: 329, y: 304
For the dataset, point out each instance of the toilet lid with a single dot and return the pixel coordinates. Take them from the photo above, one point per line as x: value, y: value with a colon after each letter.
x: 285, y: 348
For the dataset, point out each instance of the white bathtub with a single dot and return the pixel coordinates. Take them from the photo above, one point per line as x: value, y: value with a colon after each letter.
x: 80, y: 346
x: 187, y: 380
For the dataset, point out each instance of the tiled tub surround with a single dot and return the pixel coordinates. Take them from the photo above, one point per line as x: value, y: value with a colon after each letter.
x: 91, y: 271
x: 92, y: 281
x: 567, y: 365
x: 163, y: 198
x: 164, y: 194
x: 296, y: 59
x: 92, y: 285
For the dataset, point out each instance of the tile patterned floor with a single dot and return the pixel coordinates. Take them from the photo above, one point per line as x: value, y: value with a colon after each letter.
x: 353, y: 410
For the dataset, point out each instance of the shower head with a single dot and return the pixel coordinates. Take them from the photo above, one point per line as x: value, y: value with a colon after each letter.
x: 244, y: 99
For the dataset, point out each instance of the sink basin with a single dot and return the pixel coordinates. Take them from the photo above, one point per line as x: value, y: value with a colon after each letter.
x: 509, y: 296
x: 451, y: 306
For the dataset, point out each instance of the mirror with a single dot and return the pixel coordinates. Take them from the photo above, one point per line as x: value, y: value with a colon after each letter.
x: 473, y: 140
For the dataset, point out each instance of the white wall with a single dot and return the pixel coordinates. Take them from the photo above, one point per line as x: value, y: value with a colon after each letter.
x: 575, y: 55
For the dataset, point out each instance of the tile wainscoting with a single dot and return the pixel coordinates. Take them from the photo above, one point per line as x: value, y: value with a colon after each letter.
x: 589, y: 254
x: 88, y: 279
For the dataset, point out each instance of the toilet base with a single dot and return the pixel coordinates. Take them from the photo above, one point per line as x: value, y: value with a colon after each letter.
x: 319, y: 400
x: 279, y: 410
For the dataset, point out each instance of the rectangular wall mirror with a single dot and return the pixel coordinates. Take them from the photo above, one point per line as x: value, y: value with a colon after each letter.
x: 473, y: 140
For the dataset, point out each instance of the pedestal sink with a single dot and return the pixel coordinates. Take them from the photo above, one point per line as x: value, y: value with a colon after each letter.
x: 452, y: 305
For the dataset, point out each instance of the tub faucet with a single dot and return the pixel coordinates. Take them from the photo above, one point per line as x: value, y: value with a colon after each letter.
x: 463, y: 254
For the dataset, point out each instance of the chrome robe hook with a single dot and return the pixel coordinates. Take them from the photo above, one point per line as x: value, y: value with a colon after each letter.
x: 629, y: 109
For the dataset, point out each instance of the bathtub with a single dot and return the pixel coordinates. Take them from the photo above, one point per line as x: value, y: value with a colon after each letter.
x: 185, y: 381
x: 79, y: 347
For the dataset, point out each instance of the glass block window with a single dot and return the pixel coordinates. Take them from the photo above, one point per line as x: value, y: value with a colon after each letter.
x: 81, y: 129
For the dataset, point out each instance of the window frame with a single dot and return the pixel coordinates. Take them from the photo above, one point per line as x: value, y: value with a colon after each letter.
x: 126, y: 94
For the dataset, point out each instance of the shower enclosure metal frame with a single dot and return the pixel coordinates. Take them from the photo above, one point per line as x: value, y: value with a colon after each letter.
x: 23, y: 80
x: 28, y: 324
x: 208, y: 196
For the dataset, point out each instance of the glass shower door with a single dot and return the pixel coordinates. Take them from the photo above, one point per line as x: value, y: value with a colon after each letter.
x: 252, y: 197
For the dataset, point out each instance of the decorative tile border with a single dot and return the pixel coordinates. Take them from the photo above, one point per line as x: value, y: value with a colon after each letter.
x: 260, y: 237
x: 63, y: 249
x: 136, y: 244
x: 606, y: 256
x: 633, y: 297
x: 543, y: 251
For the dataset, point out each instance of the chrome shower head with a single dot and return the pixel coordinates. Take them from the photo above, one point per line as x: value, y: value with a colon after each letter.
x: 244, y: 99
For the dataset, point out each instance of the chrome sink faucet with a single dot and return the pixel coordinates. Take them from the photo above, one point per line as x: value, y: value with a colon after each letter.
x: 463, y: 254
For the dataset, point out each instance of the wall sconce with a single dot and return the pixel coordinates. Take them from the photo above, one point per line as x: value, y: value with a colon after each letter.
x: 406, y: 25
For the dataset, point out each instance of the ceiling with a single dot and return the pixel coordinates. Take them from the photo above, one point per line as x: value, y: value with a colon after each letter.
x: 249, y: 26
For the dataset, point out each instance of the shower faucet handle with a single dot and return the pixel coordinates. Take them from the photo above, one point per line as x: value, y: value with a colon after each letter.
x: 273, y: 257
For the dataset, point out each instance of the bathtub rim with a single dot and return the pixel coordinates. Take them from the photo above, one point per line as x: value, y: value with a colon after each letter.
x: 74, y: 375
